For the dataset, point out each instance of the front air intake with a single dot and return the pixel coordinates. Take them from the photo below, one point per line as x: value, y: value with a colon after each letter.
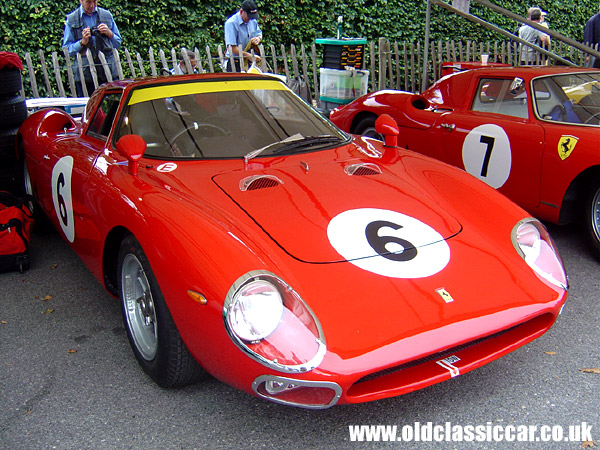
x: 259, y: 182
x: 363, y: 169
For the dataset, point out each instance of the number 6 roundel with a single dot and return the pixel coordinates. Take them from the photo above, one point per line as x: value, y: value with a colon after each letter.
x: 388, y: 243
x: 61, y: 195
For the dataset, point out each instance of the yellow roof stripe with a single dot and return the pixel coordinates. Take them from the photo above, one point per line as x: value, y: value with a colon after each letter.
x: 201, y: 87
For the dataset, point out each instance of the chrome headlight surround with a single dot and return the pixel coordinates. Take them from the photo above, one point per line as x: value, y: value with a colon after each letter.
x: 269, y: 321
x: 533, y: 242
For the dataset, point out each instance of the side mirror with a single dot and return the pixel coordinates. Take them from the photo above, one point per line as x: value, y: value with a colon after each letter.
x: 132, y: 147
x: 386, y: 126
x: 516, y: 85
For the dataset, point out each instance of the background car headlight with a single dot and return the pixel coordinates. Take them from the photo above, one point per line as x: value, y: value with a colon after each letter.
x: 269, y: 321
x: 534, y: 244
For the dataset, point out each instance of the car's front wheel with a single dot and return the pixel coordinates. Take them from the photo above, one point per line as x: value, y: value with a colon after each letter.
x: 152, y: 333
x: 366, y: 127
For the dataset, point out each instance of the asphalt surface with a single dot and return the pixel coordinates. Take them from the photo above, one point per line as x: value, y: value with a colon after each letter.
x: 68, y: 378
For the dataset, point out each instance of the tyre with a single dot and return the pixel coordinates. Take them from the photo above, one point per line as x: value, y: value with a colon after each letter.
x: 10, y: 82
x: 366, y: 127
x: 13, y: 111
x: 592, y: 217
x: 8, y: 145
x: 41, y: 223
x: 11, y: 174
x: 153, y: 336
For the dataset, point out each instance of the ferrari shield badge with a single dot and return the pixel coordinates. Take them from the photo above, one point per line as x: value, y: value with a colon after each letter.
x: 566, y: 144
x: 445, y: 295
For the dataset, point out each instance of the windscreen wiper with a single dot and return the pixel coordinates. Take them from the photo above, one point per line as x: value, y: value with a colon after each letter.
x: 254, y: 153
x: 307, y: 142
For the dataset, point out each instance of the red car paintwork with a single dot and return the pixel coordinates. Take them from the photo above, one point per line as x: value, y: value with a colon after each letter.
x: 438, y: 122
x: 200, y: 233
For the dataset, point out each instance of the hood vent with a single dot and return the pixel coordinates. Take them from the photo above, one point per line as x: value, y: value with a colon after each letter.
x: 363, y: 169
x: 259, y: 182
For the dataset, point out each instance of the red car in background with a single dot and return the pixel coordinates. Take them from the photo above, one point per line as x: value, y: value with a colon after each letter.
x: 533, y: 133
x: 247, y: 236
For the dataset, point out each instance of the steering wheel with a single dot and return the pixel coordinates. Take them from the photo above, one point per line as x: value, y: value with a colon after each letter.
x: 195, y: 126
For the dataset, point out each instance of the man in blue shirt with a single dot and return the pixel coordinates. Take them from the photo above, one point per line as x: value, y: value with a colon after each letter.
x: 591, y: 37
x: 91, y: 27
x: 242, y: 32
x: 528, y: 55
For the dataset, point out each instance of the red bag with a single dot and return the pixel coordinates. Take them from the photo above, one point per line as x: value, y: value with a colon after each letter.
x: 16, y: 222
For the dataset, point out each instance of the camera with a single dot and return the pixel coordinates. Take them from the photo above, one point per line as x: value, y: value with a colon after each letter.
x: 94, y: 31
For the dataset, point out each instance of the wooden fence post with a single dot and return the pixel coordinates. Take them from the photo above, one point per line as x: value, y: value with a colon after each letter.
x: 107, y: 70
x: 372, y: 66
x: 45, y: 73
x: 317, y: 85
x: 70, y: 72
x: 118, y: 63
x: 140, y: 62
x: 32, y: 79
x: 382, y: 65
x: 57, y: 76
x: 130, y: 64
x: 305, y: 70
x: 211, y: 68
x: 152, y: 63
x: 285, y: 62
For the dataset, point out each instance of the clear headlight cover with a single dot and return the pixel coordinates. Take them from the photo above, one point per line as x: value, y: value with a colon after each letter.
x: 256, y: 311
x: 536, y: 247
x: 269, y: 321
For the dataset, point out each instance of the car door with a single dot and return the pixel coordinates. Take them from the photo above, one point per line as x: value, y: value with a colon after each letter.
x: 69, y: 167
x: 495, y: 140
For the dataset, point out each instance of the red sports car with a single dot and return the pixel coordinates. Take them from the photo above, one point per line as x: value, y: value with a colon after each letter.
x: 247, y: 236
x: 530, y: 132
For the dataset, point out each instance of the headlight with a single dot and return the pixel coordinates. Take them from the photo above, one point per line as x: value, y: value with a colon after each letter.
x: 534, y: 244
x: 255, y: 311
x: 269, y: 321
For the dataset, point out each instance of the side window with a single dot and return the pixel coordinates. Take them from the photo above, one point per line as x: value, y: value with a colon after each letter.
x: 102, y: 121
x: 494, y: 95
x: 553, y: 103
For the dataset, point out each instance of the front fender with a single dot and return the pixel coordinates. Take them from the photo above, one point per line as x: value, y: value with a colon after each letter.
x: 201, y: 246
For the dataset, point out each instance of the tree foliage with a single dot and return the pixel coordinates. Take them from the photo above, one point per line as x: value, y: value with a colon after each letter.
x: 31, y: 25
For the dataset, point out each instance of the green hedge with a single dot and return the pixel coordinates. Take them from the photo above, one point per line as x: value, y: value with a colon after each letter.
x: 30, y: 25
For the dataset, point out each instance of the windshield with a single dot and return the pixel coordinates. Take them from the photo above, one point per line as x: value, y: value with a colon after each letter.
x: 224, y: 119
x: 569, y: 98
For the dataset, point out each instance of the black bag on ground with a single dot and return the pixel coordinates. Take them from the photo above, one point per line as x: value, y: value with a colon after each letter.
x: 16, y: 222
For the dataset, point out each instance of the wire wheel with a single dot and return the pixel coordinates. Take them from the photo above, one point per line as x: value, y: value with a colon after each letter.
x: 138, y: 305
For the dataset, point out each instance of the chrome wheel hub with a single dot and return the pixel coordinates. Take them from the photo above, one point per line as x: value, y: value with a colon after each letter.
x: 139, y: 307
x: 595, y: 212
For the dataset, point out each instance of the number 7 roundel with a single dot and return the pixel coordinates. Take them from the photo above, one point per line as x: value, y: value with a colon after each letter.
x: 487, y: 155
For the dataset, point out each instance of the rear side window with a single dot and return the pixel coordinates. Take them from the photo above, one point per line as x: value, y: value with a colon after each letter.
x: 494, y: 95
x: 104, y: 117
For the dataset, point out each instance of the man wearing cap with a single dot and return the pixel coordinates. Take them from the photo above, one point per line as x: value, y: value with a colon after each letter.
x: 532, y: 35
x: 241, y: 31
